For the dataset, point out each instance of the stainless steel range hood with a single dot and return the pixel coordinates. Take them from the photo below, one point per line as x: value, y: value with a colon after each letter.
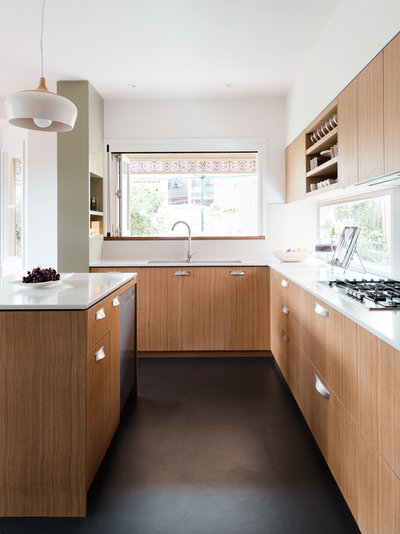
x: 390, y: 180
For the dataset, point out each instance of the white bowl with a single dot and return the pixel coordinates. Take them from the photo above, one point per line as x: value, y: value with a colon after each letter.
x: 295, y: 255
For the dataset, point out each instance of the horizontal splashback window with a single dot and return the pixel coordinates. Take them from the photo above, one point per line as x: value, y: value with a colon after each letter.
x: 374, y: 217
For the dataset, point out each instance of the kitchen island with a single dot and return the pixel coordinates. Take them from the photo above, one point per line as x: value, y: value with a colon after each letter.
x: 59, y: 394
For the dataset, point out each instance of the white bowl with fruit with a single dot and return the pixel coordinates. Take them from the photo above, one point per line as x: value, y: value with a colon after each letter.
x: 292, y: 255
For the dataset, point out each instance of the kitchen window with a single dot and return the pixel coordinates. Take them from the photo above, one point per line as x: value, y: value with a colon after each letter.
x: 12, y: 208
x: 374, y: 217
x: 217, y: 194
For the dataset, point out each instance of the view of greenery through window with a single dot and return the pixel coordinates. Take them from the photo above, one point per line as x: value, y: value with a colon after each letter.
x: 373, y: 216
x: 213, y: 205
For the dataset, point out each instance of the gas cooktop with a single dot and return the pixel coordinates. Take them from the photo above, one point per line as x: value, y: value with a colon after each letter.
x: 382, y: 294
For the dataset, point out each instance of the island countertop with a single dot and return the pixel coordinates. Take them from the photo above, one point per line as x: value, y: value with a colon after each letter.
x: 77, y: 291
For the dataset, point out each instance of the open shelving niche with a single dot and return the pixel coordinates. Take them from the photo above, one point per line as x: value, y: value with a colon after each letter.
x: 96, y: 190
x: 328, y: 167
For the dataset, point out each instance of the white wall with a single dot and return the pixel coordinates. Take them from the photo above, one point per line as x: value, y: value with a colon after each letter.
x: 261, y: 118
x: 353, y: 36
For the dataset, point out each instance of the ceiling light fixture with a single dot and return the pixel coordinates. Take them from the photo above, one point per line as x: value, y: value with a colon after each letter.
x: 40, y: 109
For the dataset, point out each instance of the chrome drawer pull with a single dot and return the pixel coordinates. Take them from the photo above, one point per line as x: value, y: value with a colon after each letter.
x: 100, y: 354
x: 115, y: 302
x: 101, y: 314
x: 285, y: 283
x: 285, y: 310
x: 181, y: 273
x: 320, y: 310
x: 319, y: 386
x: 285, y: 337
x: 237, y: 273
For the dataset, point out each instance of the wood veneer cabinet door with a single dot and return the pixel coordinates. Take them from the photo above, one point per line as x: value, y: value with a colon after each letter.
x: 378, y: 395
x: 370, y: 120
x: 202, y: 308
x: 98, y: 405
x: 159, y: 309
x: 295, y: 158
x: 341, y: 434
x: 378, y: 506
x: 277, y: 325
x: 114, y: 365
x: 246, y: 296
x: 347, y: 134
x: 391, y: 69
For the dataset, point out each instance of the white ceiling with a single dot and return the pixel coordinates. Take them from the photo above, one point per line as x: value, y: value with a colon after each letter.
x: 167, y: 48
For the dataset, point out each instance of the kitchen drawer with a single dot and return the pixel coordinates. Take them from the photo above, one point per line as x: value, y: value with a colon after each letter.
x: 99, y: 320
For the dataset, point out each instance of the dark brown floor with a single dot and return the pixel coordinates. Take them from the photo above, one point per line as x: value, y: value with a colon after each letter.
x: 213, y: 446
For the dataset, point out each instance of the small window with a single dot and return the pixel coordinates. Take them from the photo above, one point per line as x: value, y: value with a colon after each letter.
x: 217, y: 194
x: 373, y: 216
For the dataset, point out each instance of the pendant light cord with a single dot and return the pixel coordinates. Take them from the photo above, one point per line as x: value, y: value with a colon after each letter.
x: 41, y: 39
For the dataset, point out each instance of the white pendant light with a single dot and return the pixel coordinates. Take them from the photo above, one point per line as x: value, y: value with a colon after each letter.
x: 40, y: 109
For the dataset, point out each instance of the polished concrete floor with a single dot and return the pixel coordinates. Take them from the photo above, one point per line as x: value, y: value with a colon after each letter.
x: 212, y: 446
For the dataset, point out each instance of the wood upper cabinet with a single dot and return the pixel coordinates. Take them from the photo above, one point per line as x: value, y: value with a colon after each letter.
x: 391, y: 70
x: 379, y: 395
x: 347, y: 134
x: 246, y: 300
x: 370, y: 120
x: 295, y: 162
x: 159, y: 309
x: 202, y: 309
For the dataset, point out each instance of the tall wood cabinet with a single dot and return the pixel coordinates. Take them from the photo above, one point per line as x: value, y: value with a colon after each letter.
x: 348, y: 134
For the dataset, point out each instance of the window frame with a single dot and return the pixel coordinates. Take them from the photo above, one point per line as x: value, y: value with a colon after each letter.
x: 11, y: 264
x: 190, y: 145
x: 393, y: 231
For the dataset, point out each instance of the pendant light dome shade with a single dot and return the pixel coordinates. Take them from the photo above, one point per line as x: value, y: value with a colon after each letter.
x: 39, y: 109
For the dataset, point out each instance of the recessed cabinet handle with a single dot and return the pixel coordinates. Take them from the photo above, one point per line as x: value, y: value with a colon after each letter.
x: 319, y: 310
x: 285, y: 310
x: 115, y: 302
x: 100, y: 354
x: 182, y: 273
x: 237, y: 273
x: 319, y: 386
x: 101, y: 314
x: 285, y: 283
x: 285, y: 337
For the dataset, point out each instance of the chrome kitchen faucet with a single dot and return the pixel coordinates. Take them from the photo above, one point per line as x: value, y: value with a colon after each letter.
x: 189, y: 249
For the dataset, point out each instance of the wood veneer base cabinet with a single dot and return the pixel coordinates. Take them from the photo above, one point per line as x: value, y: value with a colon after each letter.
x: 352, y: 408
x: 295, y: 161
x: 194, y: 309
x: 58, y: 409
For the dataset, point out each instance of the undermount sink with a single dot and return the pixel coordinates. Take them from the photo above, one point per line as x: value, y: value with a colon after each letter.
x: 227, y: 262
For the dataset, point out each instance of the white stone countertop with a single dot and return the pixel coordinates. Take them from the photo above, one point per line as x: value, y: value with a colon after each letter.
x: 77, y: 291
x: 178, y: 263
x: 385, y: 324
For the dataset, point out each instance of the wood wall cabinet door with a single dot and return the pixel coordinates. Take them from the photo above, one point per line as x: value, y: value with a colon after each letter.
x: 98, y: 405
x: 347, y: 134
x: 391, y: 69
x: 378, y: 507
x: 202, y: 309
x: 379, y: 396
x: 295, y: 158
x: 159, y: 309
x: 246, y: 296
x: 370, y: 120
